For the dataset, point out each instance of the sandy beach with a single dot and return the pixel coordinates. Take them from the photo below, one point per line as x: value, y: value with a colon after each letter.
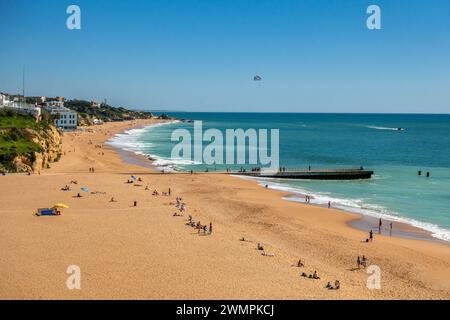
x: 144, y: 252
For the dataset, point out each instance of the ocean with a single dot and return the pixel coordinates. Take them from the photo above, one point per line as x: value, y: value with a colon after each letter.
x: 374, y: 141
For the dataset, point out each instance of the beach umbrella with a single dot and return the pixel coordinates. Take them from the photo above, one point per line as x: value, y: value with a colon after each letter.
x: 85, y: 189
x: 61, y: 205
x: 133, y: 177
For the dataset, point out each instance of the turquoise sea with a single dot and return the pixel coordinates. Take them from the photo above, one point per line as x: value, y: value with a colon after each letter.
x: 396, y: 191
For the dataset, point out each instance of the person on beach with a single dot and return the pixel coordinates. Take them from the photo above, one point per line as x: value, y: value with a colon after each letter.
x: 358, y: 262
x: 210, y: 228
x: 371, y: 236
x: 135, y: 203
x: 329, y: 204
x: 259, y: 246
x: 364, y: 261
x: 300, y: 264
x: 315, y: 275
x: 380, y: 223
x: 112, y: 199
x: 170, y: 191
x: 337, y: 285
x: 390, y: 229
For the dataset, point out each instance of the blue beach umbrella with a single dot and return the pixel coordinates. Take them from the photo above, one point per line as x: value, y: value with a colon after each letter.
x: 85, y: 189
x: 133, y: 177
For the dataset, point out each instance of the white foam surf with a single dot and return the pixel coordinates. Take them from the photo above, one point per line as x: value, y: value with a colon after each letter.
x: 129, y: 139
x: 385, y: 128
x: 358, y: 206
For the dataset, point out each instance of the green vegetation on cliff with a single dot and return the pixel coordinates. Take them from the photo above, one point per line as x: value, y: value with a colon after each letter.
x: 19, y: 137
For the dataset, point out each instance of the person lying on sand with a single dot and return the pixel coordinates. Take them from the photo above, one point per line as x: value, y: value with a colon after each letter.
x: 266, y: 254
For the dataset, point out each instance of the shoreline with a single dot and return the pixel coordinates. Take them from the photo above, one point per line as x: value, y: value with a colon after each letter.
x: 362, y: 223
x: 118, y: 245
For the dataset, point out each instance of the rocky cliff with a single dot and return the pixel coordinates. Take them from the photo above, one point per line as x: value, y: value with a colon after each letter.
x: 43, y: 148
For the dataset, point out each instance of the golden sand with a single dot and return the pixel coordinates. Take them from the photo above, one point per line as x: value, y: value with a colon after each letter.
x: 144, y: 252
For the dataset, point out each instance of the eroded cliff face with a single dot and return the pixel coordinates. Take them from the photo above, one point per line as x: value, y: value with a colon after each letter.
x: 50, y: 141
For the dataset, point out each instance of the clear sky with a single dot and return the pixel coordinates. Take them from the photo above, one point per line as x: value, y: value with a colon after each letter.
x: 201, y: 55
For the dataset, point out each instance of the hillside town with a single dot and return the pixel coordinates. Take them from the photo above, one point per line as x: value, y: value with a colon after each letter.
x: 68, y: 114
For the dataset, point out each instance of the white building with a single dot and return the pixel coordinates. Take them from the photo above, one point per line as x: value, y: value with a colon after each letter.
x: 65, y: 118
x: 68, y: 119
x: 20, y: 107
x: 97, y: 122
x: 4, y: 101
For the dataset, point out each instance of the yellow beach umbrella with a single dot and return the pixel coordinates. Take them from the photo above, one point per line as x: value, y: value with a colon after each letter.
x: 61, y: 205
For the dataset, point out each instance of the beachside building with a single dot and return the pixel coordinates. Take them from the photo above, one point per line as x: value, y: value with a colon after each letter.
x: 3, y: 100
x: 20, y: 107
x: 97, y: 122
x: 65, y: 118
x: 95, y: 104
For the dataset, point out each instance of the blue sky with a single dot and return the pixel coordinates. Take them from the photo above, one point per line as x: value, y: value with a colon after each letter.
x: 313, y: 55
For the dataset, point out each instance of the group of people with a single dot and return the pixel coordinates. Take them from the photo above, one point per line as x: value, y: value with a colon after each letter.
x: 65, y: 188
x: 198, y: 226
x: 92, y: 170
x: 314, y: 275
x: 337, y: 285
x: 307, y: 199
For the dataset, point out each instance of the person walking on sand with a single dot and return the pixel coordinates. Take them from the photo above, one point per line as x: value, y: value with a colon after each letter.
x: 329, y: 204
x: 358, y: 262
x: 380, y: 223
x: 210, y: 228
x: 371, y: 235
x: 390, y: 229
x: 169, y: 191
